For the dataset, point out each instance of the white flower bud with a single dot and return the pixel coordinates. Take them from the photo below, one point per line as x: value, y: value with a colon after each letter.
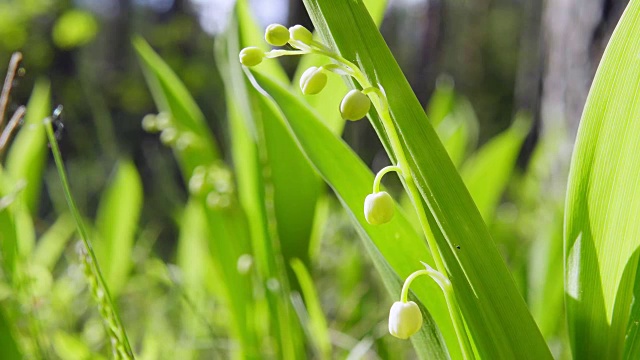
x: 251, y: 56
x: 301, y: 33
x: 355, y: 105
x: 276, y: 35
x: 378, y: 208
x: 312, y: 81
x: 405, y: 319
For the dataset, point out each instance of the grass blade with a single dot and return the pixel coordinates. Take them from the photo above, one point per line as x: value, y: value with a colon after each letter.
x: 119, y: 341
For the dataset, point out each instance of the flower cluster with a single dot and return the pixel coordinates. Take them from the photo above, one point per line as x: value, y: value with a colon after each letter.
x: 354, y: 106
x: 405, y: 317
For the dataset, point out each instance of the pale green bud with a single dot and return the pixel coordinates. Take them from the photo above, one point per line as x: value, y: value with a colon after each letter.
x: 405, y: 319
x: 355, y: 105
x: 276, y: 35
x: 313, y: 81
x: 251, y: 56
x: 169, y: 136
x: 149, y: 123
x: 378, y: 208
x: 301, y: 33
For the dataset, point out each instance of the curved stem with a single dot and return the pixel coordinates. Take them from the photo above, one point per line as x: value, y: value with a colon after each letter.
x: 381, y: 173
x: 452, y: 305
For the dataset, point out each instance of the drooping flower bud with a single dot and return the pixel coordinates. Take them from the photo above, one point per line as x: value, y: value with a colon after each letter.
x: 251, y: 56
x: 149, y: 123
x: 313, y: 81
x: 405, y: 319
x: 169, y: 136
x: 276, y: 35
x: 355, y: 105
x: 378, y: 208
x: 301, y: 33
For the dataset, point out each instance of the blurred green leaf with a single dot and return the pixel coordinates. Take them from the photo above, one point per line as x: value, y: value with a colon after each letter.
x: 602, y: 231
x: 228, y: 235
x: 8, y: 231
x: 74, y: 28
x: 172, y: 97
x: 117, y: 223
x: 8, y: 343
x: 488, y: 171
x: 319, y: 330
x: 69, y: 347
x: 51, y: 244
x: 497, y: 317
x: 27, y: 154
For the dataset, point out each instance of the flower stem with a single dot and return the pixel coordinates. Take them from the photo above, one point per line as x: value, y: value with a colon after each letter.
x: 382, y: 107
x: 381, y: 173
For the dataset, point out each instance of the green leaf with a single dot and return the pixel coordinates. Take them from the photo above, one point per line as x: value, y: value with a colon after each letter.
x: 395, y: 248
x: 318, y: 323
x: 51, y: 244
x: 117, y: 223
x: 8, y: 343
x: 26, y: 157
x: 602, y: 231
x: 172, y: 97
x: 487, y: 172
x: 8, y: 232
x: 497, y: 317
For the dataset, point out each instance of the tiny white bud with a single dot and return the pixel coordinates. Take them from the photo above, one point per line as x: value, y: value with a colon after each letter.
x: 405, y: 319
x: 312, y: 81
x: 149, y: 123
x: 301, y: 33
x: 378, y: 208
x: 168, y: 136
x: 276, y: 35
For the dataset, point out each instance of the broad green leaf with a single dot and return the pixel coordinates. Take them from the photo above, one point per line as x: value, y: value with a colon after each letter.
x: 117, y: 223
x: 318, y: 323
x: 497, y: 317
x: 396, y: 249
x: 327, y: 102
x: 488, y: 171
x: 25, y: 160
x: 602, y: 231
